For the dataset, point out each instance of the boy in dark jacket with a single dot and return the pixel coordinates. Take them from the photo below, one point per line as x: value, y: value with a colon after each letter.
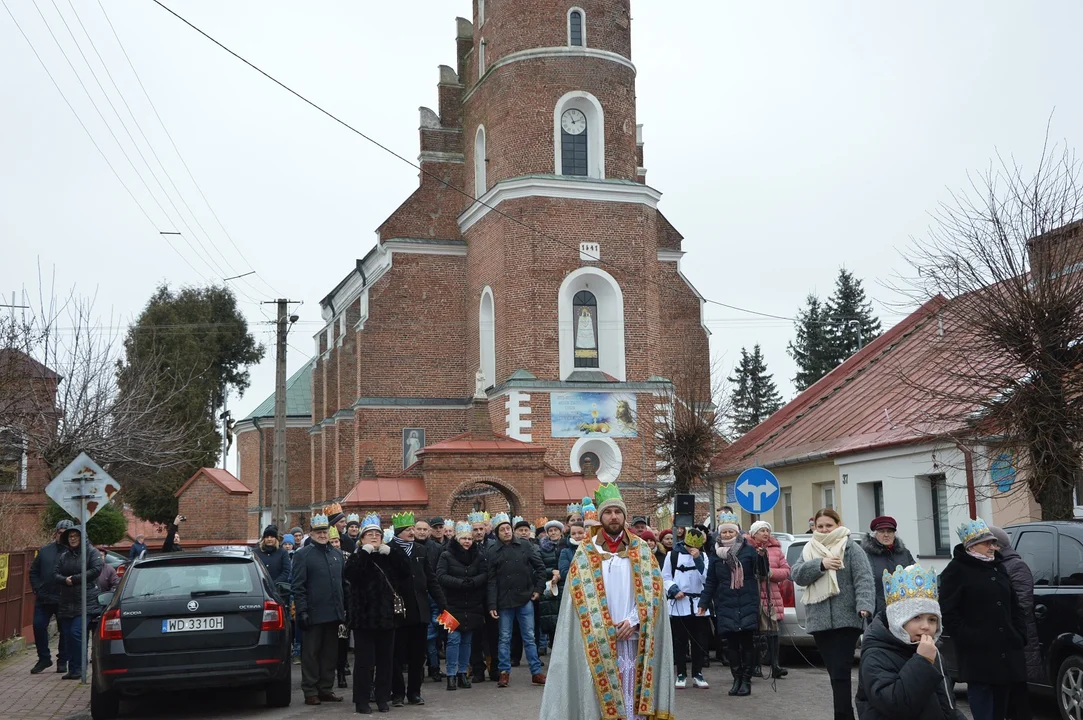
x: 901, y: 676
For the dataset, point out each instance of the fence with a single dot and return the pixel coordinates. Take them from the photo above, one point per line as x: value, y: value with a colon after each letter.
x: 16, y: 598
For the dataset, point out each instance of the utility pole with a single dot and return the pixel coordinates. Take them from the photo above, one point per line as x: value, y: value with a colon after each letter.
x: 279, y: 481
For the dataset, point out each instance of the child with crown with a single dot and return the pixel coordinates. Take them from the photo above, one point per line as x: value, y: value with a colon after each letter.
x: 612, y: 653
x: 901, y: 673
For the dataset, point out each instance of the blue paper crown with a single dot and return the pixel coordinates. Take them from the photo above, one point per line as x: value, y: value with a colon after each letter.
x: 479, y: 516
x: 353, y: 518
x: 971, y: 530
x: 449, y: 523
x: 575, y: 509
x: 319, y: 522
x: 730, y: 518
x: 515, y: 520
x: 909, y: 583
x: 371, y: 522
x: 463, y: 529
x: 500, y: 518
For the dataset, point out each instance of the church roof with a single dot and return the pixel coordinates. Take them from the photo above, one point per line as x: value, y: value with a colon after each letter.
x: 395, y: 491
x: 298, y: 395
x: 467, y: 443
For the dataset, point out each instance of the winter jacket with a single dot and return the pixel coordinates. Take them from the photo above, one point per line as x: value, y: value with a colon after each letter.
x: 1023, y: 585
x: 882, y: 558
x: 895, y: 683
x: 660, y: 556
x: 43, y: 576
x: 170, y: 544
x: 108, y: 580
x: 983, y: 618
x: 423, y: 585
x: 464, y: 576
x: 856, y: 591
x: 547, y: 611
x: 550, y: 555
x: 564, y: 564
x: 317, y: 584
x: 433, y: 550
x: 69, y: 564
x: 371, y: 596
x: 734, y: 610
x: 136, y: 550
x: 687, y: 576
x: 515, y: 573
x: 349, y: 544
x: 277, y: 562
x: 772, y: 565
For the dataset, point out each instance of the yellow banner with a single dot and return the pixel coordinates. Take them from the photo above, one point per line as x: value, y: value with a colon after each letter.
x: 3, y: 571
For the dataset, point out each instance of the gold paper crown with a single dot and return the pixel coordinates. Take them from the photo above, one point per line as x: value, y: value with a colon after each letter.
x: 332, y: 509
x: 909, y: 583
x: 694, y: 538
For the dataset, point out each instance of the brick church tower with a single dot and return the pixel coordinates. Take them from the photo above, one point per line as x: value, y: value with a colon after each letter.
x: 523, y: 313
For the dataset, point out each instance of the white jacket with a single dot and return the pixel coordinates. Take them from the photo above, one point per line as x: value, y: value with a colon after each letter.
x: 687, y: 580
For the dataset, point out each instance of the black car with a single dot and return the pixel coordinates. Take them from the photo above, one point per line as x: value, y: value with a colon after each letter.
x: 1054, y: 553
x: 191, y: 620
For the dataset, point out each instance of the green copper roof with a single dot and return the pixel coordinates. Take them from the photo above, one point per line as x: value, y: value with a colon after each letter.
x: 298, y: 395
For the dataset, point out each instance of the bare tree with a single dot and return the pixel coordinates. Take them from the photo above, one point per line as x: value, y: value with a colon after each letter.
x: 1008, y: 254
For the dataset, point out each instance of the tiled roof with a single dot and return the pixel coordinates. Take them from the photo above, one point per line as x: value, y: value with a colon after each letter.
x: 466, y: 443
x: 223, y: 478
x: 298, y: 395
x: 568, y: 489
x: 891, y: 392
x: 388, y: 491
x: 12, y: 361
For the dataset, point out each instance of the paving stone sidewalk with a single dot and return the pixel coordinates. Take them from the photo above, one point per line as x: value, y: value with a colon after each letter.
x: 38, y: 697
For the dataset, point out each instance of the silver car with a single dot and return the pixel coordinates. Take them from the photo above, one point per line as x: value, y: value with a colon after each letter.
x: 791, y: 630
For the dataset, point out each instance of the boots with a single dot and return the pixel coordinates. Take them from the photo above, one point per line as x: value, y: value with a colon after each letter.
x: 451, y: 682
x: 737, y: 677
x: 744, y: 672
x: 777, y: 671
x: 744, y: 686
x: 464, y: 680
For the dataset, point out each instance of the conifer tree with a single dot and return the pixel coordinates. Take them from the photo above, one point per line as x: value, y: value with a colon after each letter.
x: 852, y: 323
x: 755, y: 396
x: 810, y: 349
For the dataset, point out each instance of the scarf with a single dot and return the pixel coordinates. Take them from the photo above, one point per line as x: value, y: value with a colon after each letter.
x: 983, y: 558
x: 406, y: 545
x: 727, y: 551
x: 613, y: 546
x: 822, y: 546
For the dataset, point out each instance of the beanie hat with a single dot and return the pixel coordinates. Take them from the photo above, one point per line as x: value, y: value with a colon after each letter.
x: 909, y: 592
x: 662, y: 535
x: 884, y: 522
x: 555, y: 524
x: 1002, y: 537
x: 296, y: 531
x: 760, y: 525
x: 269, y: 531
x: 288, y: 538
x: 973, y: 532
x: 607, y: 496
x: 647, y: 534
x: 729, y: 521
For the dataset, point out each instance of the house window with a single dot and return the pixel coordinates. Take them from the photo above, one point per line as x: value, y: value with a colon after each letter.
x: 787, y: 511
x: 12, y: 460
x: 480, y: 184
x: 828, y: 496
x: 878, y: 499
x: 585, y: 312
x: 576, y: 34
x: 941, y: 530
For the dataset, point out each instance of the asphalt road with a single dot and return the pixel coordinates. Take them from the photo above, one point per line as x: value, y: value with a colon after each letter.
x: 804, y: 695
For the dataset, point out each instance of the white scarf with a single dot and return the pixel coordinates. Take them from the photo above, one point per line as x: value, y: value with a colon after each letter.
x: 821, y: 546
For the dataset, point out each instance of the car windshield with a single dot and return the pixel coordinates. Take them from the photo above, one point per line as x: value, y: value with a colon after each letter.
x: 179, y: 579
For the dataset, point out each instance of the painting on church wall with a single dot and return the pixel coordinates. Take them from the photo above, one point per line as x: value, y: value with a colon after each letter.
x: 593, y: 414
x: 413, y: 439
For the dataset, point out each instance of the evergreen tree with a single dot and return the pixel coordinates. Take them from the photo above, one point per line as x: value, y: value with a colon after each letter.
x: 755, y: 396
x: 849, y: 312
x: 811, y: 348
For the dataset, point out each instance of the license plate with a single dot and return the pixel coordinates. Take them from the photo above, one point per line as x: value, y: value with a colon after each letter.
x: 193, y: 624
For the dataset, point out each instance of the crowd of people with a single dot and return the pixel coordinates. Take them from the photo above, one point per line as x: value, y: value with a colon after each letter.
x: 627, y: 615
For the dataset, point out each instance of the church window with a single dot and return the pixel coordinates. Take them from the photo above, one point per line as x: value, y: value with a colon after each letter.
x: 480, y: 160
x: 487, y: 335
x: 481, y: 58
x: 585, y: 312
x: 481, y: 12
x: 579, y: 136
x: 576, y: 35
x: 573, y: 142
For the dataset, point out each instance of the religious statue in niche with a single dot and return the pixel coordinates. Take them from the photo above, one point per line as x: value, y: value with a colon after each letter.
x: 585, y: 313
x: 413, y: 439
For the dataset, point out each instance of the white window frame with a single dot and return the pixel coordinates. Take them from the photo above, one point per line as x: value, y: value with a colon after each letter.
x: 583, y: 23
x: 20, y: 478
x: 824, y: 491
x: 481, y: 12
x: 480, y: 153
x: 610, y: 300
x: 487, y: 336
x: 787, y: 510
x: 481, y: 58
x: 592, y: 108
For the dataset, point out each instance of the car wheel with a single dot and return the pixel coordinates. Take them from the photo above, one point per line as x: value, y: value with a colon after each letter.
x: 1070, y: 688
x: 104, y: 705
x: 280, y: 692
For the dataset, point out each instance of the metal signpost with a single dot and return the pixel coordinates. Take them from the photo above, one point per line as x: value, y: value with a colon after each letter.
x: 82, y: 489
x: 757, y: 490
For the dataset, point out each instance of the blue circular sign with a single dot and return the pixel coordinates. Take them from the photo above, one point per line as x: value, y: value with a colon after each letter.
x: 1002, y: 471
x: 757, y: 490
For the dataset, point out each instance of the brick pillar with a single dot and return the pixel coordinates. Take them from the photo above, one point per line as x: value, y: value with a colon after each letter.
x: 481, y: 426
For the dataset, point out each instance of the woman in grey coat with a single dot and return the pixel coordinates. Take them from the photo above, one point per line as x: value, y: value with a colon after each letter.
x: 839, y: 595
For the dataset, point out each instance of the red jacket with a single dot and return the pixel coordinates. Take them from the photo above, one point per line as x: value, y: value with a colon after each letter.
x: 780, y: 573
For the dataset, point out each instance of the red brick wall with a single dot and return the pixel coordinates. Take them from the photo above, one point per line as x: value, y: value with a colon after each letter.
x: 214, y: 514
x: 298, y: 463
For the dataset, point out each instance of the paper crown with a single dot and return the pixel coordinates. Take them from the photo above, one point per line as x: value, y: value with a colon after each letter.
x: 607, y: 493
x: 332, y: 509
x: 319, y: 522
x: 909, y: 583
x: 575, y: 509
x: 333, y: 533
x: 402, y: 520
x: 517, y: 519
x: 540, y: 522
x: 499, y: 519
x: 449, y: 523
x: 694, y: 538
x: 353, y: 519
x: 480, y: 516
x: 725, y: 518
x: 389, y: 535
x: 371, y: 522
x: 973, y: 531
x: 463, y: 530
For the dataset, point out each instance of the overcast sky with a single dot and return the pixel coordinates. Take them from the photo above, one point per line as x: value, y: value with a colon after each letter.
x: 788, y: 139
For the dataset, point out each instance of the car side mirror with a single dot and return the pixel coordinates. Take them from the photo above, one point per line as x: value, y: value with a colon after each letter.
x: 105, y: 598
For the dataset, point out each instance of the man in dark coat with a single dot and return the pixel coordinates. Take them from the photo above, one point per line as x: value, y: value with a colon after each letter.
x: 516, y: 580
x: 274, y: 558
x: 886, y: 551
x: 1023, y: 585
x: 411, y: 635
x: 983, y: 617
x: 47, y: 601
x: 319, y: 595
x: 435, y: 636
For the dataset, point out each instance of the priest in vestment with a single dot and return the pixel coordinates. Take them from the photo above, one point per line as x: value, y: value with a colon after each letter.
x: 612, y: 655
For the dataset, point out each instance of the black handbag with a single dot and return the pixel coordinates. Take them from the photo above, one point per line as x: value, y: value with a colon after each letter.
x: 397, y: 604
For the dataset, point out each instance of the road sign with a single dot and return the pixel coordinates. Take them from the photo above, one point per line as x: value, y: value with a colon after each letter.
x: 757, y: 490
x: 83, y: 484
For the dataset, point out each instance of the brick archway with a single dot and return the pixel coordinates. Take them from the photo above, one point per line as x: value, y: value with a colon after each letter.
x: 484, y: 493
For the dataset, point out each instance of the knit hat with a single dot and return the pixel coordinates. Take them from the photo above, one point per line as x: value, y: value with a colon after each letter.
x: 909, y: 592
x: 289, y: 538
x: 269, y: 531
x: 296, y: 532
x: 555, y: 524
x: 606, y: 496
x: 973, y: 532
x: 647, y: 534
x: 729, y: 521
x: 884, y: 522
x: 370, y: 522
x: 760, y: 525
x: 463, y: 529
x: 1002, y: 537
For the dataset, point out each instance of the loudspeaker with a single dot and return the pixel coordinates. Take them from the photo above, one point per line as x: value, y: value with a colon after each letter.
x: 684, y: 510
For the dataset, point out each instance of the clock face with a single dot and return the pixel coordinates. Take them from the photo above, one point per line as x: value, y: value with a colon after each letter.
x: 573, y: 121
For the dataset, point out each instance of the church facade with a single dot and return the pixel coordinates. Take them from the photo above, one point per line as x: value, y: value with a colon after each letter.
x: 522, y: 318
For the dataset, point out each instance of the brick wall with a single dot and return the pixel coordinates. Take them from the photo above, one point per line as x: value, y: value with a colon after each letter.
x: 213, y: 514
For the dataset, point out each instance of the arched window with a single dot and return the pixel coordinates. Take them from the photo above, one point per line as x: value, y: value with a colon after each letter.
x: 585, y: 312
x: 487, y: 336
x: 481, y: 58
x: 579, y: 135
x: 573, y: 142
x: 577, y: 35
x: 480, y: 185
